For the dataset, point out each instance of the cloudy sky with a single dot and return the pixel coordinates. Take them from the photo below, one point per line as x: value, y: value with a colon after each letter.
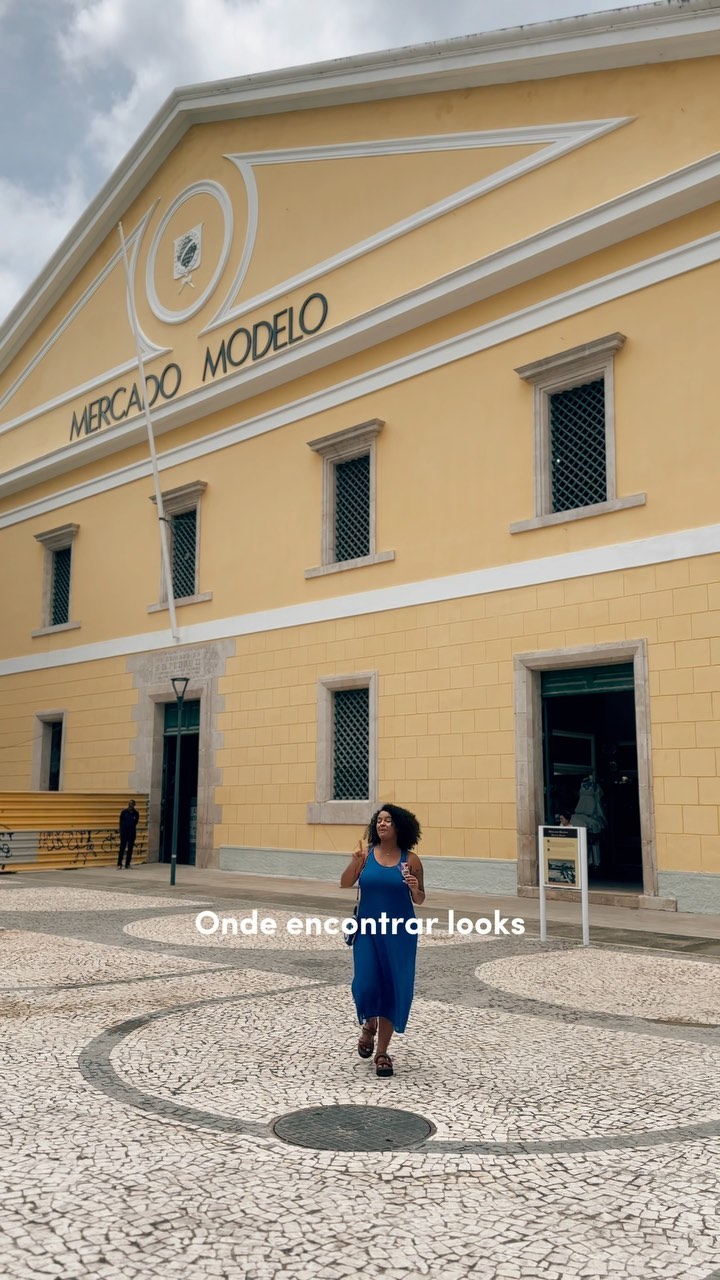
x: 82, y: 78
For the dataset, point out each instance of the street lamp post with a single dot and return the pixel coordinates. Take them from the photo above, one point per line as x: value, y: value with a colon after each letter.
x: 179, y: 684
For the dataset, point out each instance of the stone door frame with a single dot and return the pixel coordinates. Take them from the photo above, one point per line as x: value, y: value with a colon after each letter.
x: 528, y: 668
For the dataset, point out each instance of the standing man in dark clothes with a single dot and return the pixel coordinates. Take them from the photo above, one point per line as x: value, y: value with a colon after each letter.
x: 127, y: 828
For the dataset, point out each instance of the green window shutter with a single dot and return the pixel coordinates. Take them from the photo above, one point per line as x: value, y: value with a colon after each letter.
x: 577, y: 446
x: 351, y: 744
x: 190, y: 716
x: 609, y: 679
x: 352, y: 508
x: 60, y: 594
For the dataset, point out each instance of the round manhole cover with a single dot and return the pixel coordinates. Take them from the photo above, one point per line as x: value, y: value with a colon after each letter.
x: 353, y: 1129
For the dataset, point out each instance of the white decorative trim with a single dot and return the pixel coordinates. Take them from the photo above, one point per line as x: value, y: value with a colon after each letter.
x: 569, y: 139
x: 58, y: 539
x: 560, y: 372
x: 181, y: 601
x: 579, y: 513
x: 555, y: 370
x: 687, y: 188
x: 186, y: 497
x: 527, y: 259
x: 149, y: 349
x: 642, y: 34
x: 526, y: 136
x: 641, y: 275
x: 52, y: 541
x: 253, y: 213
x: 326, y: 809
x: 344, y: 446
x: 667, y: 547
x: 339, y: 566
x: 50, y: 631
x: 183, y: 498
x: 205, y: 188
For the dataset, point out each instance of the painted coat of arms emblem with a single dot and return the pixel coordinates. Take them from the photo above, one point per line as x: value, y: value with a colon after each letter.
x: 187, y: 253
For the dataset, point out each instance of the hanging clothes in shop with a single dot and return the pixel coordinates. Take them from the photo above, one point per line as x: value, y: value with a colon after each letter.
x: 589, y: 813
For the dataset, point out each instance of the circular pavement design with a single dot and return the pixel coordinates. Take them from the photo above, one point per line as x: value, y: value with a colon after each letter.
x: 512, y: 1083
x: 35, y: 960
x: 353, y: 1129
x: 660, y: 988
x: 180, y: 930
x: 20, y: 898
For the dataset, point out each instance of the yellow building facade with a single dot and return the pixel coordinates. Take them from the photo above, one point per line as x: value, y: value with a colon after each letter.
x: 430, y: 351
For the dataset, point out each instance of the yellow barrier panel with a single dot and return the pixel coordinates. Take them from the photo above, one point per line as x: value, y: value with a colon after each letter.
x: 58, y: 830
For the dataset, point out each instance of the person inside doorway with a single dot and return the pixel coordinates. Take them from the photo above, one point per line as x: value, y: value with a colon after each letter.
x: 127, y: 828
x: 588, y: 813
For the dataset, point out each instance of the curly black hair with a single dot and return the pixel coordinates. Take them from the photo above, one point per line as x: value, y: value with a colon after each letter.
x: 407, y: 827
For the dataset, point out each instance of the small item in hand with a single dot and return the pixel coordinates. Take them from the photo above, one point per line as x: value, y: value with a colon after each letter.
x: 350, y: 935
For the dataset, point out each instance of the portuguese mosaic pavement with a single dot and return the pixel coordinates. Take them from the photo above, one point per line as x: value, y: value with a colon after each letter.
x: 555, y: 1112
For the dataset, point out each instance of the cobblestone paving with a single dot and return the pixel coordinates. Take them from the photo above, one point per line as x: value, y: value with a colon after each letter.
x: 671, y: 990
x: 573, y: 1096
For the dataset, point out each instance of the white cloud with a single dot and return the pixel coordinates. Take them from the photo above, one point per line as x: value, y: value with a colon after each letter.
x: 33, y: 225
x: 168, y: 43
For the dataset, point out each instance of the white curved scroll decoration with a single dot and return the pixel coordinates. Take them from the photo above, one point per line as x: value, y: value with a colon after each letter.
x: 208, y: 188
x: 253, y: 206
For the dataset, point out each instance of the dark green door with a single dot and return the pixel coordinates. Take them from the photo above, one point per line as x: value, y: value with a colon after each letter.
x: 188, y: 782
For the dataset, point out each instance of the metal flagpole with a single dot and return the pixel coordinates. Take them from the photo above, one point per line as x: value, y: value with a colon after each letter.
x: 164, y: 545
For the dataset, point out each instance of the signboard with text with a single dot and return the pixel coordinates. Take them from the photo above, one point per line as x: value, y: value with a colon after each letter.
x: 562, y: 864
x: 560, y: 857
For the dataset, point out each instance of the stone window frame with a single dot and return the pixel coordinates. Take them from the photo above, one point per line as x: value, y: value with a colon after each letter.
x: 52, y: 540
x: 529, y: 766
x: 562, y: 372
x: 344, y: 446
x: 186, y: 497
x: 40, y: 761
x: 343, y: 812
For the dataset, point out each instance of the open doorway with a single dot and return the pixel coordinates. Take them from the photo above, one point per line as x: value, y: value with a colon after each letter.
x: 590, y: 767
x: 188, y: 788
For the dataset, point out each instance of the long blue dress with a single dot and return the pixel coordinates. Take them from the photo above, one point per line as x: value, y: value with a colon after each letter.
x: 384, y: 979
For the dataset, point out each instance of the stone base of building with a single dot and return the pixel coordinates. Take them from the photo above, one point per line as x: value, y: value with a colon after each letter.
x: 469, y: 875
x: 694, y: 890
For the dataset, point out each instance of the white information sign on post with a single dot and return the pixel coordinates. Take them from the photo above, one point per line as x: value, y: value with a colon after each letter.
x: 562, y: 864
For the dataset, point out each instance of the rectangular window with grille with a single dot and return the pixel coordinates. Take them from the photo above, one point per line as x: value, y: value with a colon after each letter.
x: 352, y: 508
x: 60, y: 587
x: 351, y: 744
x: 577, y: 446
x: 183, y: 530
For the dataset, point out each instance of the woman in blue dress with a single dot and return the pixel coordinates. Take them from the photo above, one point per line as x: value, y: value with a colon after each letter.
x: 390, y: 879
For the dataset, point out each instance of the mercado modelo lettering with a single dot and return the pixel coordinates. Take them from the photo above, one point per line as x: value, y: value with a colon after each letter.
x: 284, y: 329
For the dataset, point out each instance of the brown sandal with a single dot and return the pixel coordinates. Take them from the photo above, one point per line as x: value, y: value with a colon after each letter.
x: 383, y: 1065
x: 366, y: 1043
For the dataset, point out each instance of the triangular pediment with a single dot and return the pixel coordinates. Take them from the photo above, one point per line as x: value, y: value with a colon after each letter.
x: 346, y: 219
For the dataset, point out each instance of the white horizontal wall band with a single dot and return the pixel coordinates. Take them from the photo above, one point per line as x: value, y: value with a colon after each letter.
x: 575, y: 564
x: 640, y: 275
